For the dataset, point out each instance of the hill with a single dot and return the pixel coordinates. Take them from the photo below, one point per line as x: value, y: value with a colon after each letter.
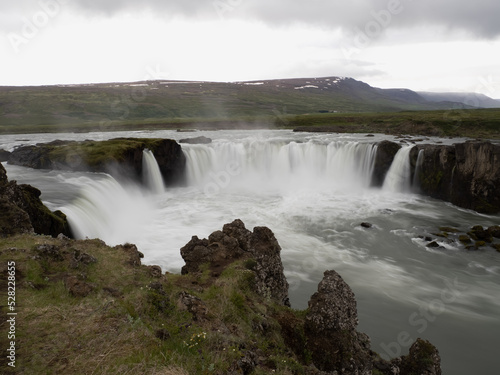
x: 51, y: 108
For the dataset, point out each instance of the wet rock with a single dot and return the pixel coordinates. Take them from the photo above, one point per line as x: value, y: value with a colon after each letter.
x: 465, y: 174
x: 330, y: 329
x: 386, y: 151
x: 23, y: 211
x: 433, y: 244
x: 235, y: 242
x: 197, y: 140
x: 4, y: 155
x: 478, y: 233
x: 463, y: 238
x: 366, y: 225
x: 494, y: 231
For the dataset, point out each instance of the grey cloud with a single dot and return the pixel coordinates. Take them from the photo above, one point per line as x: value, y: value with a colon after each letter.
x: 479, y: 17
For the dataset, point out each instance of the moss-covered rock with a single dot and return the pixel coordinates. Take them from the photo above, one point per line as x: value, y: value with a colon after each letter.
x: 120, y: 157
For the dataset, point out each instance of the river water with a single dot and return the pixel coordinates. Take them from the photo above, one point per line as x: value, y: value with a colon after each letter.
x: 313, y: 191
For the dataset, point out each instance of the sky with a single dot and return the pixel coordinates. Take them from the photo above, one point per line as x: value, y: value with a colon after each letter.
x: 425, y: 45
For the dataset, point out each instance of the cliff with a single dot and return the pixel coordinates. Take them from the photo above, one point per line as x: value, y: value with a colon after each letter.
x: 465, y: 174
x: 91, y: 309
x: 119, y: 157
x: 22, y: 211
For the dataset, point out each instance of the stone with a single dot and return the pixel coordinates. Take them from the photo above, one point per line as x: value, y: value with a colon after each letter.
x: 386, y: 151
x: 135, y: 255
x: 494, y: 231
x: 366, y: 225
x: 77, y: 287
x: 235, y: 242
x: 433, y: 244
x: 423, y: 358
x: 465, y: 174
x: 330, y: 329
x: 193, y: 305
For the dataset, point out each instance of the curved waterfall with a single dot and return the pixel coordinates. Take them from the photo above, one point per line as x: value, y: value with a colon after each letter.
x: 152, y: 177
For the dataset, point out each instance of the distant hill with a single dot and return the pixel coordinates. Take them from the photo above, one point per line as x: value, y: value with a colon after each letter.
x: 468, y: 98
x: 167, y: 101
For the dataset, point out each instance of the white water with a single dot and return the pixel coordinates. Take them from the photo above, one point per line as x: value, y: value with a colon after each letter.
x: 313, y: 192
x: 399, y: 174
x: 152, y: 177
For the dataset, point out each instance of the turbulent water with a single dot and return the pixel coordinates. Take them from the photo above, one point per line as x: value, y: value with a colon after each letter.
x: 313, y: 191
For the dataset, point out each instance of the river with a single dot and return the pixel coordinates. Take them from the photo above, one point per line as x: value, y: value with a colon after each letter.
x: 313, y: 191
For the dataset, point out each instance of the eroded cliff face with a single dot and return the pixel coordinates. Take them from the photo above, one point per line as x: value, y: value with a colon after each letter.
x: 22, y: 211
x: 465, y: 174
x: 120, y: 157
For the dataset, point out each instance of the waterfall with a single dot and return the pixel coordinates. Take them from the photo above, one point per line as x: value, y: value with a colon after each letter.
x: 151, y: 173
x: 281, y: 165
x: 109, y: 211
x: 398, y: 178
x: 416, y: 178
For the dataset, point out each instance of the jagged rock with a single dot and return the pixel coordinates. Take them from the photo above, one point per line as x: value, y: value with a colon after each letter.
x: 330, y: 329
x: 386, y: 151
x: 194, y: 305
x: 23, y: 211
x: 423, y: 359
x: 79, y: 258
x: 121, y: 157
x: 233, y: 243
x: 50, y: 252
x: 197, y: 140
x: 155, y: 271
x: 135, y: 255
x: 465, y: 174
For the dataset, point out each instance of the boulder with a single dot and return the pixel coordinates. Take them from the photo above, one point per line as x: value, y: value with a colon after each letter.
x: 423, y: 359
x: 4, y: 155
x: 23, y: 211
x: 235, y: 242
x: 120, y: 157
x: 386, y: 151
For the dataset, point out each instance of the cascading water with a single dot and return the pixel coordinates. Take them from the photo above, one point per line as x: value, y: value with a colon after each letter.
x: 398, y: 178
x: 152, y: 177
x: 280, y: 165
x: 416, y: 175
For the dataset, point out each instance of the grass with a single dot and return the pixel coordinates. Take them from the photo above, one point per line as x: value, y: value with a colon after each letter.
x: 132, y: 322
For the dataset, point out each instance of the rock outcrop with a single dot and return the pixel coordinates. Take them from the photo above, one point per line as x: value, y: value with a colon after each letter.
x: 22, y: 211
x: 260, y: 248
x: 330, y: 329
x: 465, y: 174
x: 386, y: 151
x: 121, y: 157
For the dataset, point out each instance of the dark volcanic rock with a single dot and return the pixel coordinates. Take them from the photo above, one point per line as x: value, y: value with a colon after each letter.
x: 4, y: 155
x: 330, y: 329
x: 121, y: 157
x: 423, y: 359
x: 465, y: 174
x: 386, y: 150
x: 195, y: 141
x: 233, y: 243
x: 23, y: 211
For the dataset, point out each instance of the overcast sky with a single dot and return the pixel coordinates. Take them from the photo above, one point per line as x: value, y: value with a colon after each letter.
x: 424, y: 45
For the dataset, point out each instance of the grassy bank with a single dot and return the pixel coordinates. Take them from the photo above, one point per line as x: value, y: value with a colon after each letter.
x: 86, y: 308
x: 478, y: 123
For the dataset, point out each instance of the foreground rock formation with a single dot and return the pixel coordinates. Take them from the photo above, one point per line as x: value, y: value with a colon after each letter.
x: 328, y: 332
x: 22, y: 211
x: 119, y: 157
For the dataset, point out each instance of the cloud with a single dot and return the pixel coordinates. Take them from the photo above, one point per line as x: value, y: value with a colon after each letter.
x: 479, y: 18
